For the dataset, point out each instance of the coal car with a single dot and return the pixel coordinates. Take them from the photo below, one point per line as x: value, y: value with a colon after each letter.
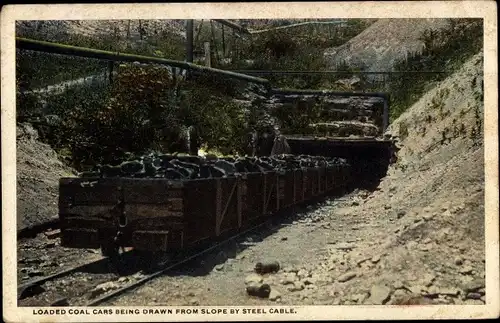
x: 158, y: 214
x: 167, y: 213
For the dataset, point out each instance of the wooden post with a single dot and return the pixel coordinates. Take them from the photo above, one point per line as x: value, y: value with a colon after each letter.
x: 110, y: 70
x: 215, y: 43
x: 189, y: 40
x: 208, y: 62
x: 223, y: 43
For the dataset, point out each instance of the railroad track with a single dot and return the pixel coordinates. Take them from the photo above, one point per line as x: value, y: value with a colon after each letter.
x: 172, y: 265
x: 34, y: 293
x: 81, y: 295
x: 71, y: 284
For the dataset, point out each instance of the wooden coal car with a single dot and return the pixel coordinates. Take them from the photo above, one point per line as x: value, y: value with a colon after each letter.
x: 161, y: 215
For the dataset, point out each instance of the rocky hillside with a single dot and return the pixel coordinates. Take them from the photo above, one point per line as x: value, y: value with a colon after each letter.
x: 386, y: 41
x: 38, y: 173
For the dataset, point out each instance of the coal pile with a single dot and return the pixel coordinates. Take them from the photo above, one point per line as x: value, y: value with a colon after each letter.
x: 189, y: 167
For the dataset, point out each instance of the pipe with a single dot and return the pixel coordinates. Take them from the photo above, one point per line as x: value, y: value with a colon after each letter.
x: 385, y: 96
x: 48, y: 47
x: 332, y: 72
x: 233, y: 26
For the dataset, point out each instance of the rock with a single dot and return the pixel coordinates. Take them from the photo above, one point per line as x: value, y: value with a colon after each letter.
x: 387, y: 207
x: 427, y: 216
x: 400, y: 293
x: 417, y: 289
x: 473, y: 296
x: 102, y: 288
x: 302, y: 274
x: 400, y: 214
x: 253, y: 279
x: 35, y: 272
x: 61, y: 302
x: 355, y: 203
x: 428, y: 279
x: 466, y: 270
x: 347, y: 276
x: 219, y: 267
x: 49, y: 245
x: 274, y: 295
x: 398, y: 284
x: 359, y: 298
x: 473, y: 286
x: 259, y: 290
x: 296, y: 287
x: 289, y: 278
x: 284, y: 239
x: 194, y: 302
x: 309, y: 281
x: 375, y: 259
x: 122, y: 279
x: 412, y: 300
x: 459, y: 261
x: 53, y: 234
x: 311, y: 287
x: 379, y: 294
x: 362, y: 260
x: 474, y: 302
x: 345, y: 246
x: 267, y: 267
x: 29, y: 291
x: 424, y: 247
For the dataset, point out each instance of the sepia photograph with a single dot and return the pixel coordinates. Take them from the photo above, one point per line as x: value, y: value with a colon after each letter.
x: 251, y: 166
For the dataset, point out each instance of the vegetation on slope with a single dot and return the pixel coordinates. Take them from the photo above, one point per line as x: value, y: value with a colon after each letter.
x: 445, y: 50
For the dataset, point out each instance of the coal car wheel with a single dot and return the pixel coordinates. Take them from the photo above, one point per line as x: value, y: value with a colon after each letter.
x: 109, y: 250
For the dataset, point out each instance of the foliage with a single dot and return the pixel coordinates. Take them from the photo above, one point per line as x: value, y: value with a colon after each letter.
x: 299, y: 48
x: 36, y: 69
x: 445, y: 50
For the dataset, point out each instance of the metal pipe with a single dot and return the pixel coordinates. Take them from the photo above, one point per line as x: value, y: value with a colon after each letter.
x: 42, y: 46
x: 232, y: 25
x: 328, y: 92
x: 333, y: 72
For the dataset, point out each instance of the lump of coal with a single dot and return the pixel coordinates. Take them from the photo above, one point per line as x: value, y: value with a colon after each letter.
x: 259, y: 290
x: 267, y: 267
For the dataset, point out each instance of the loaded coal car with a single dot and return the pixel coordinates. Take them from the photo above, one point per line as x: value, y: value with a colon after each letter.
x: 351, y: 127
x: 187, y: 200
x: 164, y: 203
